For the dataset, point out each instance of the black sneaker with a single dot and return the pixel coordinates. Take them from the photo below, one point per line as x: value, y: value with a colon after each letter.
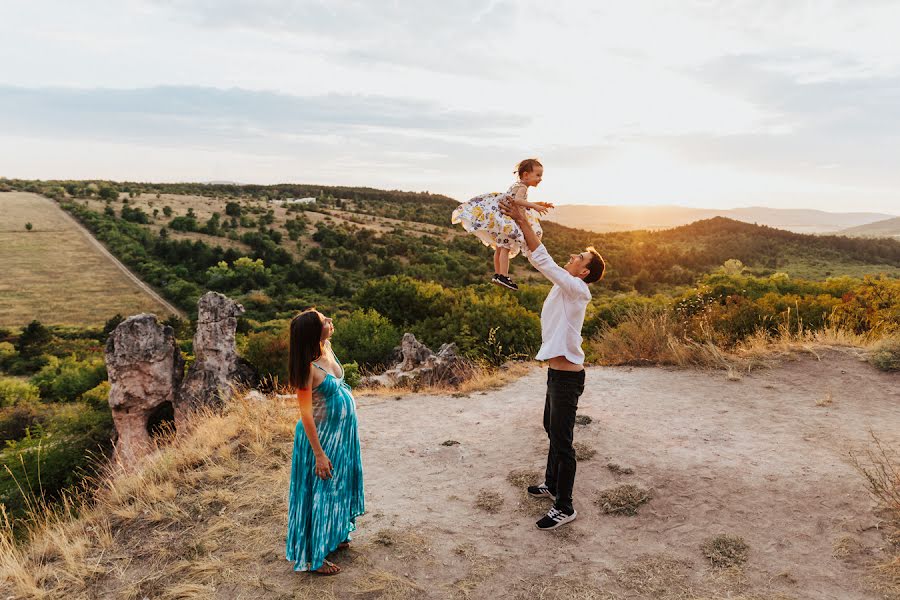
x: 540, y: 491
x: 505, y: 281
x: 555, y: 518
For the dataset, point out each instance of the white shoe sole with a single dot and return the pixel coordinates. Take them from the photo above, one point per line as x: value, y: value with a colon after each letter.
x: 568, y: 519
x: 503, y: 285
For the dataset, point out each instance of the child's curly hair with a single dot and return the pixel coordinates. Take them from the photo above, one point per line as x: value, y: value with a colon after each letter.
x: 527, y: 166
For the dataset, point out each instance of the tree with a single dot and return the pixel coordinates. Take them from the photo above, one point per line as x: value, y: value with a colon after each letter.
x: 167, y: 210
x: 108, y: 193
x: 28, y: 226
x: 33, y: 340
x: 233, y: 209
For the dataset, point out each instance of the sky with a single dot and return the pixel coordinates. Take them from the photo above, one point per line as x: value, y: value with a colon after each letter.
x: 705, y: 103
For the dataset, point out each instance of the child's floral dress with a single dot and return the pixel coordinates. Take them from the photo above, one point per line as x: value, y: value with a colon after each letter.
x: 481, y: 216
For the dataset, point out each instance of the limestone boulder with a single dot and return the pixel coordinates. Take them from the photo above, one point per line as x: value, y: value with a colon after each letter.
x: 416, y: 365
x: 217, y: 368
x: 145, y: 369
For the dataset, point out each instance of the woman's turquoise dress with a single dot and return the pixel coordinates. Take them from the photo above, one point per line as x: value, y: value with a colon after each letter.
x: 322, y: 512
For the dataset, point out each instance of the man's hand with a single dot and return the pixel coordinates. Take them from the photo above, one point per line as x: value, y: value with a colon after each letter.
x: 513, y: 211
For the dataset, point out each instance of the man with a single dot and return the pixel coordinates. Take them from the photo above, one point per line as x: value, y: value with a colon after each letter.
x: 562, y: 317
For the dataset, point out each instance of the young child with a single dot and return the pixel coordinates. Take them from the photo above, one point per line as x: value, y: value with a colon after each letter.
x: 481, y: 216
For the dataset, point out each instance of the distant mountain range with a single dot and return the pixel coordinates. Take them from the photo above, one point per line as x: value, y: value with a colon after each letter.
x: 624, y: 218
x: 886, y: 228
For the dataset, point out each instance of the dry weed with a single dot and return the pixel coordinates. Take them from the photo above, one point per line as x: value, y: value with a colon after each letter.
x: 846, y: 546
x: 489, y: 501
x: 623, y: 500
x: 657, y: 576
x: 522, y: 478
x: 618, y: 469
x: 725, y: 551
x: 584, y: 451
x: 387, y: 586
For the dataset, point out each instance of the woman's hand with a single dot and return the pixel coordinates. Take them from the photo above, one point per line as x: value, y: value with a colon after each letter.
x: 323, y: 466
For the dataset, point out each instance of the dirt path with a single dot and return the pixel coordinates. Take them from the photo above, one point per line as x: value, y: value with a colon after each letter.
x: 764, y: 458
x: 134, y: 278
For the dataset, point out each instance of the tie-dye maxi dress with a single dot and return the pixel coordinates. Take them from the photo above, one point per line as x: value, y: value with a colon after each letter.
x: 322, y: 512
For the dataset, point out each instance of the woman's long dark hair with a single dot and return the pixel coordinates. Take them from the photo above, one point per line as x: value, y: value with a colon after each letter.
x: 306, y: 346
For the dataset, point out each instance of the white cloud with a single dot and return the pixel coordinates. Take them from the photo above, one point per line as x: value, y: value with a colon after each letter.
x: 719, y: 100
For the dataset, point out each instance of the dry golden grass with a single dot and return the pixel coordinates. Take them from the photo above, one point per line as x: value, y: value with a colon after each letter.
x: 584, y: 451
x: 725, y: 551
x: 652, y: 337
x: 846, y: 546
x: 618, y: 469
x: 489, y: 501
x: 43, y: 273
x: 880, y: 467
x: 484, y: 379
x: 623, y: 499
x: 178, y: 527
x: 657, y: 576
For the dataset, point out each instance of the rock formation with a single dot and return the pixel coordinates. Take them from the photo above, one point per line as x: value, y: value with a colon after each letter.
x: 217, y: 366
x: 416, y: 365
x: 145, y: 368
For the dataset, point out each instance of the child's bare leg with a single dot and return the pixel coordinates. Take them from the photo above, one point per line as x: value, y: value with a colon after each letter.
x: 501, y: 261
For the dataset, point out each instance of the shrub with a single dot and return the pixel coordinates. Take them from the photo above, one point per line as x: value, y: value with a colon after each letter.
x: 364, y: 336
x: 886, y: 354
x: 46, y: 465
x: 16, y: 421
x: 34, y: 340
x: 15, y: 391
x: 351, y: 374
x: 64, y: 380
x: 268, y: 352
x: 97, y: 397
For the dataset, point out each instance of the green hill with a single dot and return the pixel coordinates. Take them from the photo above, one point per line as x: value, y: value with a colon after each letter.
x: 887, y: 228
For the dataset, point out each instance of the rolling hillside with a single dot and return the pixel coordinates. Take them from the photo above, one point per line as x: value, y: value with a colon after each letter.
x: 624, y: 218
x: 57, y: 273
x: 889, y: 228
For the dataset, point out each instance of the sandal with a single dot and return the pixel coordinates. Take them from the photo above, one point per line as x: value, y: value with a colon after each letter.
x: 328, y: 568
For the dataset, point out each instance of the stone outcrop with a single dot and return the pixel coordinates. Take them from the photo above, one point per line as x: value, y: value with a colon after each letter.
x: 145, y: 369
x: 416, y: 365
x: 217, y: 367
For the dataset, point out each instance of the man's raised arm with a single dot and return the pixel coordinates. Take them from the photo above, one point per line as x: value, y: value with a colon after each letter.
x: 517, y: 214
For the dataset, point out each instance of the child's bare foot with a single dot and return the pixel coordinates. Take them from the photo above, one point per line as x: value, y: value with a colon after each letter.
x: 328, y: 568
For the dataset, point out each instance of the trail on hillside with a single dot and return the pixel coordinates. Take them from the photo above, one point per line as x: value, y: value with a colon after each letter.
x: 134, y: 278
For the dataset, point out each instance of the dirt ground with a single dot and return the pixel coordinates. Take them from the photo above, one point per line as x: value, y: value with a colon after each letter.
x: 764, y: 458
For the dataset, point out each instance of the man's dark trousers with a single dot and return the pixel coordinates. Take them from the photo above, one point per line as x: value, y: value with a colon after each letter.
x: 563, y: 391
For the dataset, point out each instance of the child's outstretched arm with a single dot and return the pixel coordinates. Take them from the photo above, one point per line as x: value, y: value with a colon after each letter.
x: 519, y: 200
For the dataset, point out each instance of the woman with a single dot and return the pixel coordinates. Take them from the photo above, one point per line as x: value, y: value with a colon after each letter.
x: 326, y: 493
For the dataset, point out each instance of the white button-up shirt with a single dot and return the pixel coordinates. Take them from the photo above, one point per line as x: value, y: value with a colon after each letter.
x: 563, y: 313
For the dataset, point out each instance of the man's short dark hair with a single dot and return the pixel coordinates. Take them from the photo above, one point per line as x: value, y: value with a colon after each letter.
x: 596, y: 267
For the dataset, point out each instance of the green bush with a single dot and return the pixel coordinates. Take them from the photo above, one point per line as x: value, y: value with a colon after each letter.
x: 16, y: 421
x: 351, y: 374
x: 98, y: 396
x: 64, y: 380
x: 403, y: 300
x: 364, y: 336
x: 268, y: 352
x: 886, y: 354
x: 15, y: 391
x: 43, y: 466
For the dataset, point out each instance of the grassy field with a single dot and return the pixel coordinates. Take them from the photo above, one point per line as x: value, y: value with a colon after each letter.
x: 54, y: 274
